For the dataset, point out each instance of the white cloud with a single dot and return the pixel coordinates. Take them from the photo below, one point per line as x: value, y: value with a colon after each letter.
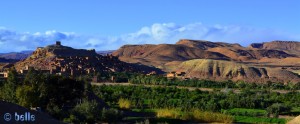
x: 155, y: 34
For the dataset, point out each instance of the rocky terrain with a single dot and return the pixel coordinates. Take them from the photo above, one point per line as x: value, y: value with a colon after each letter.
x: 277, y: 61
x: 229, y: 70
x: 68, y: 61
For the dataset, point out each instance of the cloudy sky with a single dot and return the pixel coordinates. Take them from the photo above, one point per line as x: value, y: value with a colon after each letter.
x: 107, y: 25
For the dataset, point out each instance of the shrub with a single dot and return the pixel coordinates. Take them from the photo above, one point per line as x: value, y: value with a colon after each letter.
x: 201, y: 116
x: 111, y: 115
x: 168, y: 113
x: 87, y: 111
x: 196, y: 115
x: 124, y: 103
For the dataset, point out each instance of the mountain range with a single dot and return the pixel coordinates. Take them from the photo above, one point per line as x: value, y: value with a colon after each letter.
x: 276, y: 61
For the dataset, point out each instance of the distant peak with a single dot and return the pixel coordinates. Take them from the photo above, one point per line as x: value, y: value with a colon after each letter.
x: 190, y: 40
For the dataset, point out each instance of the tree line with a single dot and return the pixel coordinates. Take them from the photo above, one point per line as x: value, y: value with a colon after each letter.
x: 171, y: 97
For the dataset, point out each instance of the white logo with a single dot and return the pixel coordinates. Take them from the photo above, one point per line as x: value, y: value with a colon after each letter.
x: 27, y: 116
x: 7, y: 117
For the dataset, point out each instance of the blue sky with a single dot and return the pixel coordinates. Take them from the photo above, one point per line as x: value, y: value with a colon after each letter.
x: 109, y: 24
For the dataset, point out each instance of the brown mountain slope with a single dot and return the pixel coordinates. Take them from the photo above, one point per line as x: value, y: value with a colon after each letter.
x: 160, y: 54
x: 280, y: 45
x: 16, y: 55
x: 243, y: 54
x: 225, y: 70
x: 278, y: 58
x: 205, y: 44
x: 292, y: 47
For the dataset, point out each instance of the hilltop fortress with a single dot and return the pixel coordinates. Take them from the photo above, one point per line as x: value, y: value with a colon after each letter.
x: 67, y: 61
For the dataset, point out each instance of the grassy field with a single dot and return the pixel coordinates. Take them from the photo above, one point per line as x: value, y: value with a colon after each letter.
x: 247, y: 119
x: 193, y: 116
x: 246, y: 112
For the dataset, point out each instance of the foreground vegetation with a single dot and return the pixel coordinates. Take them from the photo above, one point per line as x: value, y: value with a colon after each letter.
x: 195, y: 115
x: 66, y: 99
x: 262, y: 104
x: 73, y: 100
x: 160, y: 80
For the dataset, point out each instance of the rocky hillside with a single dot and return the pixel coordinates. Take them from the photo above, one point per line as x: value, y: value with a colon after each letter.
x: 278, y: 45
x: 228, y: 70
x: 63, y: 59
x: 158, y: 55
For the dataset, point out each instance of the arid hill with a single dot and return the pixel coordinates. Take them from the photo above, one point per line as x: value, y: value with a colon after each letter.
x: 156, y: 55
x: 66, y: 60
x: 292, y: 47
x: 279, y: 45
x: 280, y: 55
x: 229, y: 70
x: 4, y: 60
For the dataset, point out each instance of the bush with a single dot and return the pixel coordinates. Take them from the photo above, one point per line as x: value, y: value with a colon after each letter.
x: 111, y: 115
x: 124, y: 103
x: 278, y: 108
x: 168, y: 113
x: 196, y: 115
x: 88, y: 111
